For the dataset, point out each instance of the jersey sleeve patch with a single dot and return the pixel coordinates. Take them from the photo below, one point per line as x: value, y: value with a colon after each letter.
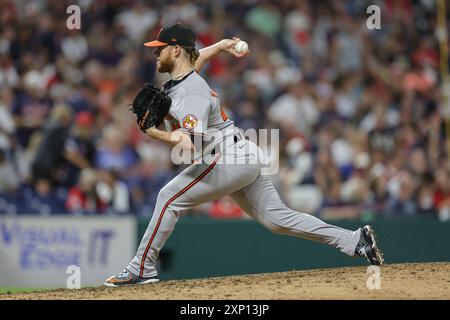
x: 190, y: 122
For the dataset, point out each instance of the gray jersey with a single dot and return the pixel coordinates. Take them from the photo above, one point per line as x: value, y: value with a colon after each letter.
x: 196, y: 110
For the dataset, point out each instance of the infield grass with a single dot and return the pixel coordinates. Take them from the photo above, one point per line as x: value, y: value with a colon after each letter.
x: 20, y: 290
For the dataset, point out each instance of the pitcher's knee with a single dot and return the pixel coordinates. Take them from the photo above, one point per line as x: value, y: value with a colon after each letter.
x: 165, y: 196
x: 171, y: 199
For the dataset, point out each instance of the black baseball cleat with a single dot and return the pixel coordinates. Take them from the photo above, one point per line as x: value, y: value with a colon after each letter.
x: 367, y: 247
x: 126, y: 278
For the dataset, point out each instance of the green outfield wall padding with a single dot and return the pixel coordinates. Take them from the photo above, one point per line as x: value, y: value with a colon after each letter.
x: 204, y: 248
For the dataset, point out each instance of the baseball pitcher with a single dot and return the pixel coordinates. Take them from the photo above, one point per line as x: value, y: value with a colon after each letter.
x: 223, y: 162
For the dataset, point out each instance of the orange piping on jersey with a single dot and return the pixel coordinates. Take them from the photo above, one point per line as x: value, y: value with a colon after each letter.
x: 224, y: 115
x: 213, y: 93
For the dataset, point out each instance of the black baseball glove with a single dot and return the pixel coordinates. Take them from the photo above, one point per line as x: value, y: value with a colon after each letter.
x: 151, y: 105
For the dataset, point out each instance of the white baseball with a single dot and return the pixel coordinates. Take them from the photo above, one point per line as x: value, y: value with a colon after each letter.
x: 241, y: 47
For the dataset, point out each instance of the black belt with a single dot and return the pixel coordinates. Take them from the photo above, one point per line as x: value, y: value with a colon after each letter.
x: 237, y: 137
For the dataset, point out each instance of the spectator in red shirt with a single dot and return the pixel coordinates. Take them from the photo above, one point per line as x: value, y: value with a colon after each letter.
x: 83, y: 198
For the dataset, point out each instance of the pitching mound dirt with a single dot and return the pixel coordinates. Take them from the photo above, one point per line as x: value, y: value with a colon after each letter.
x: 398, y: 281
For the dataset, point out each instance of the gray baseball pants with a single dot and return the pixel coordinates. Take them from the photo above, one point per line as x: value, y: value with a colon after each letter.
x: 253, y: 192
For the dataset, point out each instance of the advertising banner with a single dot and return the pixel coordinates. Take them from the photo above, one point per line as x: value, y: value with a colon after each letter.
x: 61, y: 251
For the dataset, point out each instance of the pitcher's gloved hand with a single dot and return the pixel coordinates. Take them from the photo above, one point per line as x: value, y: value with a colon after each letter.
x: 150, y: 105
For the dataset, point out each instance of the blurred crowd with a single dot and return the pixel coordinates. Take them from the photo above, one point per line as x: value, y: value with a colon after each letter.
x: 359, y: 111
